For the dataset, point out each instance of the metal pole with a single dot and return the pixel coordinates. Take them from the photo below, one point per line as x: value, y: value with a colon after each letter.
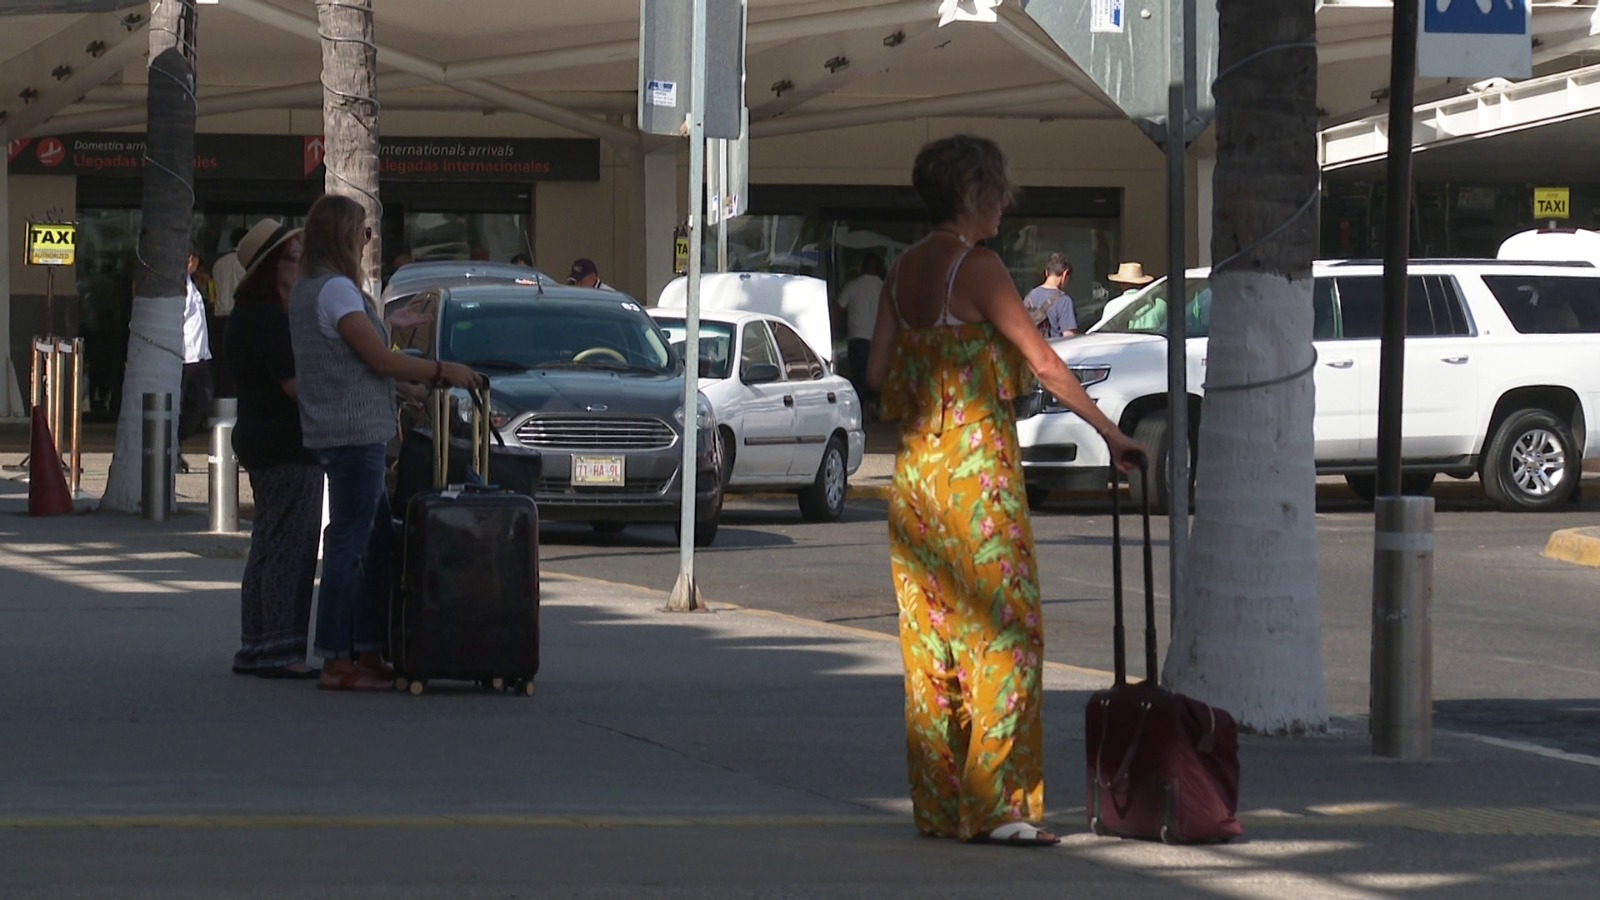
x: 1181, y: 73
x: 223, y: 467
x: 1396, y: 247
x: 54, y: 395
x: 723, y: 189
x: 157, y: 457
x: 1401, y: 702
x: 76, y: 478
x: 685, y: 595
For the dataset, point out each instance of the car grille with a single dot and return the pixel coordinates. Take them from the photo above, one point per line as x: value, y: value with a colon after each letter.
x: 589, y: 432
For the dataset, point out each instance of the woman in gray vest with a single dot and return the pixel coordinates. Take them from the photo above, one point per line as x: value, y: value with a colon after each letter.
x: 346, y: 374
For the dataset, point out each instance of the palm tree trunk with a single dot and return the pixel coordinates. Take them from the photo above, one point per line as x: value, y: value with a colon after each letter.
x: 1249, y: 637
x: 155, y: 327
x: 350, y: 115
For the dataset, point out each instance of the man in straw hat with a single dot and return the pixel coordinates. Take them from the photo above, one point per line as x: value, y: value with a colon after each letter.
x: 1131, y: 276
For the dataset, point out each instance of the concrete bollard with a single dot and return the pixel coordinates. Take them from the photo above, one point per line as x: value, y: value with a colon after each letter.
x: 156, y: 495
x: 1402, y: 629
x: 222, y: 467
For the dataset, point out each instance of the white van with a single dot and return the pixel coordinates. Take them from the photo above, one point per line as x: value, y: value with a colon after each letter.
x: 800, y: 299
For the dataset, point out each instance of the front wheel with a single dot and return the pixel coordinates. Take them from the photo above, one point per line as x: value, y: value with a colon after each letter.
x: 1152, y: 432
x: 823, y: 499
x: 1529, y: 465
x: 705, y: 530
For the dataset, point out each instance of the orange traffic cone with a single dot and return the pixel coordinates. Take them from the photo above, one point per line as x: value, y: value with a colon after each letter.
x: 47, y: 486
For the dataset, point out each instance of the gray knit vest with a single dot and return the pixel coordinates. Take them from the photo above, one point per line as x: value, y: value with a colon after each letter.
x: 342, y: 402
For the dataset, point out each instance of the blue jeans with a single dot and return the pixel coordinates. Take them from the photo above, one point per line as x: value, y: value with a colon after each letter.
x: 353, y: 601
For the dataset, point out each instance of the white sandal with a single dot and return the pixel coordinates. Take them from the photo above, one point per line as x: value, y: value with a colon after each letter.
x: 1020, y: 834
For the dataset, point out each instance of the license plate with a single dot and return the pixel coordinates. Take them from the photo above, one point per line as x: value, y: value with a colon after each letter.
x: 598, y: 470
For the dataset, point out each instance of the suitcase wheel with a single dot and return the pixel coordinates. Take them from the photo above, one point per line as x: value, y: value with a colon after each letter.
x: 416, y: 688
x: 1167, y: 835
x: 1098, y: 826
x: 526, y: 687
x: 401, y: 682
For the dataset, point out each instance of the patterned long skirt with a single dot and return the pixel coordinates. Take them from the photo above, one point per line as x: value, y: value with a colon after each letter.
x: 970, y: 633
x: 280, y: 573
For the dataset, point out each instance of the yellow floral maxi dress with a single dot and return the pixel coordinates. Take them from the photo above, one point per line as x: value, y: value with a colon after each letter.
x: 961, y: 551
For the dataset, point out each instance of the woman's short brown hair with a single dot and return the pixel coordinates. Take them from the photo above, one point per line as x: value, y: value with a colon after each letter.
x: 961, y: 174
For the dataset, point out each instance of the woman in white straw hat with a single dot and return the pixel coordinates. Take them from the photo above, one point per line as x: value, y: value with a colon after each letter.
x: 275, y: 592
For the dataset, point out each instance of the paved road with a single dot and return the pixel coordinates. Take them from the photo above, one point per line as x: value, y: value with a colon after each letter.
x: 1514, y: 633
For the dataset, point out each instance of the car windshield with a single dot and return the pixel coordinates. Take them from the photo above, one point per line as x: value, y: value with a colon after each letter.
x: 1146, y: 311
x: 716, y: 339
x: 515, y: 334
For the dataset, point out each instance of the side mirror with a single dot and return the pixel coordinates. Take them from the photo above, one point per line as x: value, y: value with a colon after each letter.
x: 760, y: 373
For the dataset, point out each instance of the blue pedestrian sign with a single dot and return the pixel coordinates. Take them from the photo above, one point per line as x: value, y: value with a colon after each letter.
x: 1475, y: 39
x: 1475, y: 16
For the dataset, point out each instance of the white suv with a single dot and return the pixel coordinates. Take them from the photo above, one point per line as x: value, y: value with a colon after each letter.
x: 1501, y: 380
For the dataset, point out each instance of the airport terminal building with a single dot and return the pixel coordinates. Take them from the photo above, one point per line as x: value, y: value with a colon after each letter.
x: 513, y: 130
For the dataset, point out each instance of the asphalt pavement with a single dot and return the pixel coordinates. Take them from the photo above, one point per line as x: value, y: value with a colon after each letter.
x: 732, y: 753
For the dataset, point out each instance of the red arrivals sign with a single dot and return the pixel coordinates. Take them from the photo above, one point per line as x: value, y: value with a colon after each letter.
x: 298, y: 158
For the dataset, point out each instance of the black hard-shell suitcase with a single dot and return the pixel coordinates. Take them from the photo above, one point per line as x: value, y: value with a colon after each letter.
x: 466, y: 606
x: 1160, y: 765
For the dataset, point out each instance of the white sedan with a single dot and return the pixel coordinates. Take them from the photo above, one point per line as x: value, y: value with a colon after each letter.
x: 785, y: 419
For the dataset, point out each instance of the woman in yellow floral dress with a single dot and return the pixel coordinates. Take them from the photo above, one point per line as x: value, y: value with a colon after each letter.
x: 953, y: 346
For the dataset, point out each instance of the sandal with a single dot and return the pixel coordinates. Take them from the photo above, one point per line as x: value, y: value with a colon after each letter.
x: 289, y: 671
x: 1018, y: 834
x: 354, y: 678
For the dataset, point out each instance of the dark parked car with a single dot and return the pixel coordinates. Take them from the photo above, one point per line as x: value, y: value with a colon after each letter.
x: 583, y: 376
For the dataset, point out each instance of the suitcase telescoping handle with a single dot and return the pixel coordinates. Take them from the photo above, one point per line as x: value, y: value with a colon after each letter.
x: 1118, y: 629
x: 439, y: 408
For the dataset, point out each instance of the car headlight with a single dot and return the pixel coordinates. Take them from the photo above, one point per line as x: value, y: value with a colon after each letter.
x: 1042, y: 401
x: 1088, y: 375
x: 705, y: 416
x: 461, y: 405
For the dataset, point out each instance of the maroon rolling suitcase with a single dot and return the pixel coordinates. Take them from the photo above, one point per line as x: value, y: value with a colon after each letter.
x: 1161, y: 765
x: 466, y: 605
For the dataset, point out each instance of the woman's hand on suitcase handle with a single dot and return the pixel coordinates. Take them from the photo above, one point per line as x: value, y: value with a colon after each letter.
x: 1127, y: 454
x: 458, y: 375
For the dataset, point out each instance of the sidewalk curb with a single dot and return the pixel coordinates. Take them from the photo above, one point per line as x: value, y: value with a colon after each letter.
x: 1579, y: 546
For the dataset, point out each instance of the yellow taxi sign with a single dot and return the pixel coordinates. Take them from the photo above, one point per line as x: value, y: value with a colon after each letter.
x: 680, y: 253
x: 1552, y: 203
x: 52, y: 243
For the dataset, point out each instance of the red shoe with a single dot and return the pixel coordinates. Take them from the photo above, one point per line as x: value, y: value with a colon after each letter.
x: 351, y: 677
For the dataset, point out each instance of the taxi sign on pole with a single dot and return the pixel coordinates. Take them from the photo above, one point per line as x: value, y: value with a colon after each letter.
x: 52, y: 243
x: 1475, y: 39
x: 1552, y: 203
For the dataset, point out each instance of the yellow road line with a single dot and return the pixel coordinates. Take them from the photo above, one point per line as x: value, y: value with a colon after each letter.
x: 1461, y: 821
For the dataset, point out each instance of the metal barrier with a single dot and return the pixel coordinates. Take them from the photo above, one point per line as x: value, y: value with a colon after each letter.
x: 1402, y: 629
x: 61, y: 399
x: 158, y: 461
x: 222, y: 467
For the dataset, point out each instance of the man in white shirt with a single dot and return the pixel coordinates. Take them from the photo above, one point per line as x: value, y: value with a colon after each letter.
x: 859, y: 300
x: 226, y: 273
x: 195, y: 398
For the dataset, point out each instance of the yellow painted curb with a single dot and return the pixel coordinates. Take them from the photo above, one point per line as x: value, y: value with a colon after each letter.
x: 1574, y: 545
